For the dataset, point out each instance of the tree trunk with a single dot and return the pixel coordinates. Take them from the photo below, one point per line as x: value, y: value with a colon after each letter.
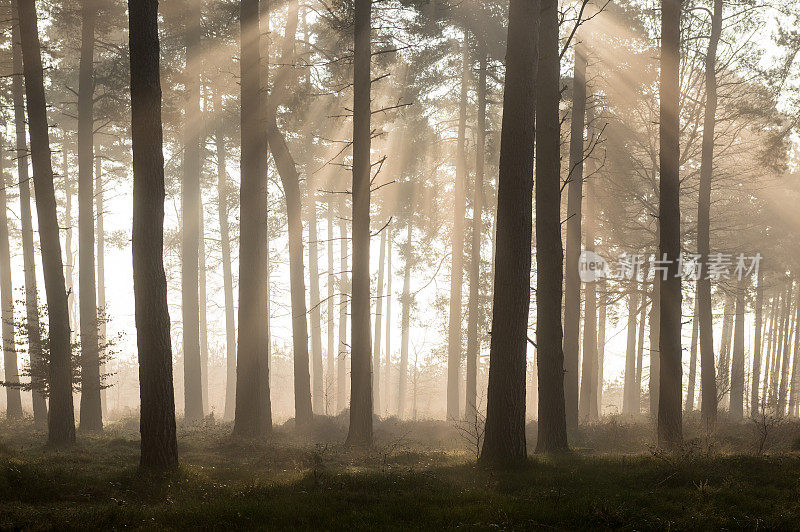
x: 101, y: 277
x: 724, y: 362
x: 783, y: 326
x: 387, y: 366
x: 376, y: 346
x: 191, y: 204
x: 317, y: 403
x: 454, y: 329
x: 157, y: 419
x: 640, y: 345
x: 773, y: 319
x: 360, y: 432
x: 630, y: 397
x: 253, y: 409
x: 601, y: 342
x: 344, y: 289
x: 330, y: 370
x: 504, y: 440
x: 61, y: 421
x: 793, y: 383
x: 572, y: 282
x: 588, y: 399
x: 26, y: 222
x: 708, y: 401
x: 655, y: 359
x: 756, y: 371
x: 737, y: 365
x: 405, y: 319
x: 549, y: 253
x: 786, y: 359
x: 203, y: 316
x: 13, y: 397
x: 473, y: 306
x: 689, y: 406
x: 69, y: 265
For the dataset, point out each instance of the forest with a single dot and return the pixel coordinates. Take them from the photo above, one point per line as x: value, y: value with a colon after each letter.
x: 400, y: 264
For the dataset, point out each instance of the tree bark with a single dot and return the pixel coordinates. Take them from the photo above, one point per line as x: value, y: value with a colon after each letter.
x: 669, y: 390
x: 587, y: 408
x: 504, y: 440
x: 330, y: 370
x: 191, y: 205
x: 756, y: 371
x: 13, y: 397
x: 26, y: 221
x: 708, y: 401
x: 630, y: 396
x: 405, y: 318
x: 91, y: 413
x: 572, y: 282
x: 101, y: 277
x: 549, y: 252
x: 69, y: 265
x: 317, y: 403
x: 253, y: 415
x: 376, y: 345
x: 737, y: 363
x: 203, y: 315
x: 157, y: 417
x: 61, y: 421
x: 360, y: 432
x: 783, y: 364
x: 344, y: 289
x: 601, y: 342
x: 387, y: 365
x: 689, y: 406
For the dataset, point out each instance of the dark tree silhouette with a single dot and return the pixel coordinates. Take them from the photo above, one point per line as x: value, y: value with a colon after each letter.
x: 61, y: 420
x: 504, y: 440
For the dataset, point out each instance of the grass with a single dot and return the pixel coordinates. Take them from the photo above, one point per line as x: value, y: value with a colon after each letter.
x: 417, y: 476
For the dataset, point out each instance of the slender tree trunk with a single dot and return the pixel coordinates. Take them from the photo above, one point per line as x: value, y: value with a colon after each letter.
x: 708, y: 401
x: 405, y: 319
x: 101, y: 277
x: 756, y: 372
x: 473, y: 339
x: 203, y: 297
x: 253, y: 409
x: 190, y: 235
x: 223, y: 195
x: 601, y: 342
x: 689, y: 406
x: 572, y: 282
x: 454, y: 329
x: 26, y: 221
x: 549, y: 253
x: 588, y: 399
x: 344, y: 290
x: 737, y: 365
x: 504, y: 440
x: 387, y: 366
x: 773, y: 319
x: 13, y: 397
x: 640, y: 346
x: 724, y: 362
x: 655, y: 359
x: 360, y: 432
x: 157, y: 422
x: 783, y: 326
x: 330, y: 370
x: 793, y: 383
x: 317, y: 397
x: 376, y: 346
x: 61, y: 421
x: 783, y: 364
x: 69, y: 265
x: 630, y: 397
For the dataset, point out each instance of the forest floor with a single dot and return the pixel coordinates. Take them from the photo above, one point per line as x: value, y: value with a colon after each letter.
x: 418, y: 475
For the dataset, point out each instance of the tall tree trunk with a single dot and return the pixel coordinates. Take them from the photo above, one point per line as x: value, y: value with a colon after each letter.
x: 724, y: 362
x: 405, y: 318
x: 756, y: 371
x: 793, y: 382
x: 157, y: 418
x: 737, y: 365
x: 587, y: 408
x: 61, y: 421
x: 330, y: 370
x: 203, y: 298
x: 504, y: 440
x: 549, y: 253
x: 26, y: 221
x: 601, y: 342
x: 69, y: 265
x: 13, y: 397
x: 783, y: 325
x: 317, y: 395
x: 190, y: 235
x: 572, y: 282
x: 387, y: 366
x: 290, y: 178
x: 473, y: 306
x: 783, y: 364
x: 101, y: 276
x: 344, y: 290
x: 655, y: 332
x: 640, y: 345
x: 689, y: 406
x: 253, y: 408
x: 773, y: 319
x: 708, y: 401
x: 454, y: 329
x: 376, y: 342
x: 630, y: 397
x: 360, y: 432
x: 223, y: 194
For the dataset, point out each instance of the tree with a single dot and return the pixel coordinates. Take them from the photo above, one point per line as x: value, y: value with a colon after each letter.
x: 737, y: 365
x: 549, y: 253
x: 360, y: 432
x: 669, y: 399
x: 504, y: 440
x: 91, y: 405
x: 61, y: 421
x: 26, y: 220
x: 757, y: 346
x: 157, y: 419
x: 253, y: 409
